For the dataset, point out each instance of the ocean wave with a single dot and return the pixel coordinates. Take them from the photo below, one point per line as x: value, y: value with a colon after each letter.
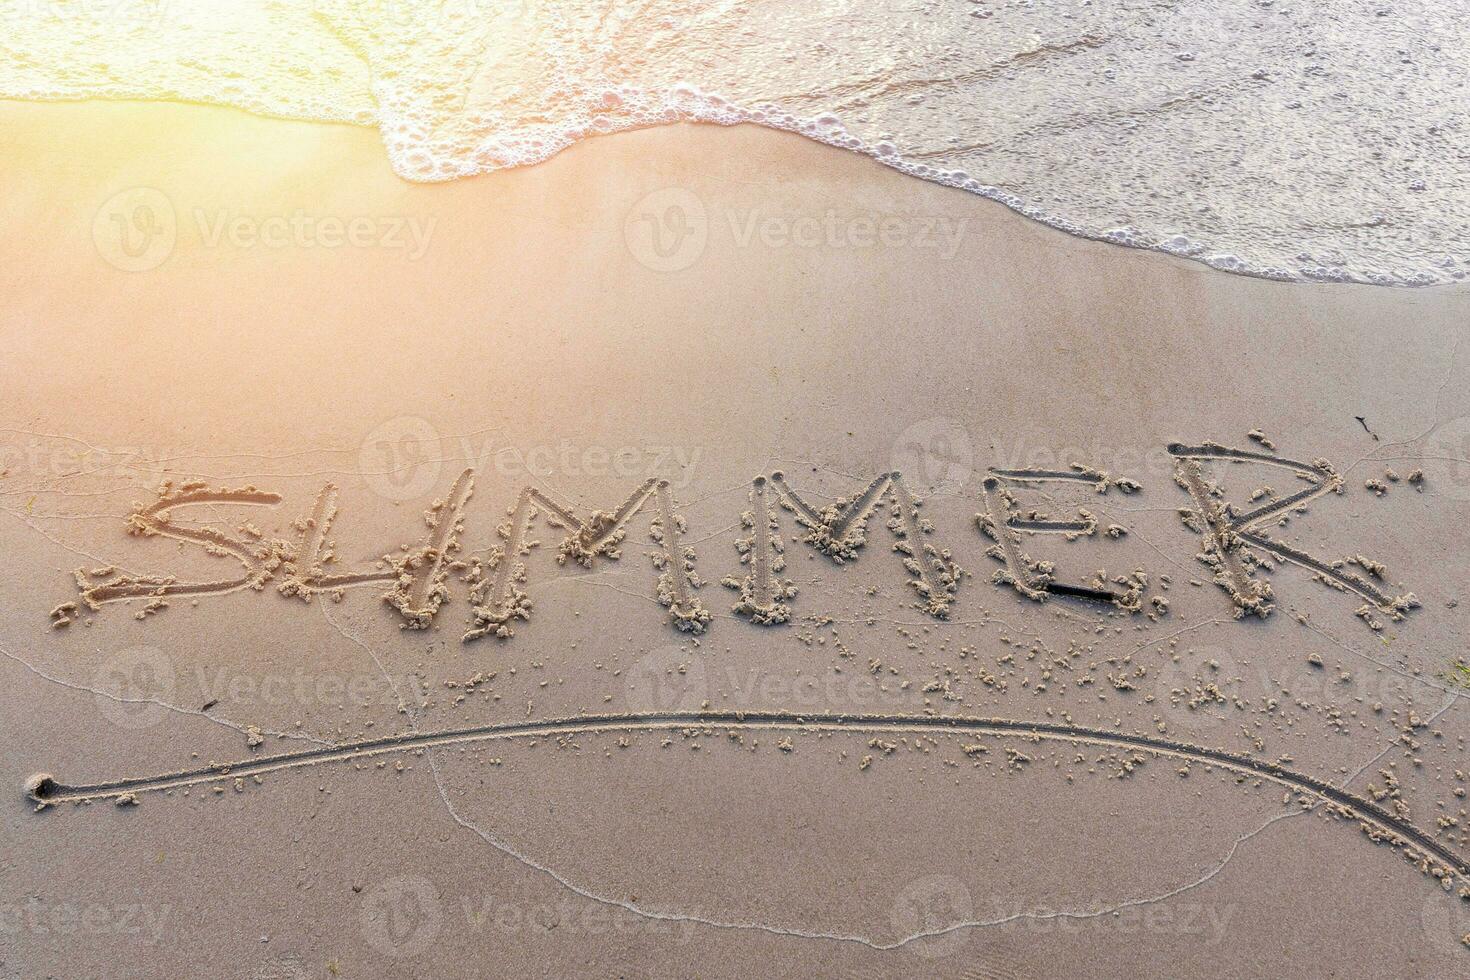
x: 1277, y: 138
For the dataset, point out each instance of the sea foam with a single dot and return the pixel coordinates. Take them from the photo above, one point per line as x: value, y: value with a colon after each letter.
x: 1291, y: 140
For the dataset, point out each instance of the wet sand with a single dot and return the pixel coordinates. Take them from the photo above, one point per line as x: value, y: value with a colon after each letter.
x: 605, y: 359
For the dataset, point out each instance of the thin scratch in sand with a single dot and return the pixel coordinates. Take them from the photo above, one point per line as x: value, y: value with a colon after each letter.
x: 1390, y: 826
x: 1177, y: 633
x: 793, y: 932
x: 177, y: 709
x: 95, y: 559
x: 1452, y: 693
x: 1107, y: 910
x: 406, y: 707
x: 607, y: 581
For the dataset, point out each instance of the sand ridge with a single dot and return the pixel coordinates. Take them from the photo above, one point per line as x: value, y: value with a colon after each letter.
x: 1380, y: 825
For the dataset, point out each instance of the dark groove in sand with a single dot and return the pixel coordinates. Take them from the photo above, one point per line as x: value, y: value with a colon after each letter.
x: 673, y: 551
x: 46, y: 790
x: 1042, y: 476
x: 1050, y: 526
x: 760, y: 558
x: 1213, y: 515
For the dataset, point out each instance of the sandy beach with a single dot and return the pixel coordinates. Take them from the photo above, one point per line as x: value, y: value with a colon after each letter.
x: 704, y: 553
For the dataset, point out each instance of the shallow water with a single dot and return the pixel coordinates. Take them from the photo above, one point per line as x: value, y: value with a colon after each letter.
x: 1308, y: 141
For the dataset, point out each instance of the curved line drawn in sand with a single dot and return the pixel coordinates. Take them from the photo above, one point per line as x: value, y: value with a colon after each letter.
x: 1032, y: 578
x: 839, y: 531
x: 1378, y: 824
x: 497, y: 601
x: 1227, y: 534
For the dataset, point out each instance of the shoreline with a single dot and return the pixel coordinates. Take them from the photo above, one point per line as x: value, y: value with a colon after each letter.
x: 1174, y: 246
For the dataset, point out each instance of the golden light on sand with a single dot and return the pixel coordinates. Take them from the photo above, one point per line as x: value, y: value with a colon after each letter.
x: 447, y: 544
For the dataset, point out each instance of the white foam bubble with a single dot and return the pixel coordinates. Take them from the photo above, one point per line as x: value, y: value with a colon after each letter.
x: 1264, y: 139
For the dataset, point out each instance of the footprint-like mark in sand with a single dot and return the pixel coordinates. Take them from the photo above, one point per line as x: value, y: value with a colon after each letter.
x: 1228, y: 535
x: 1377, y: 823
